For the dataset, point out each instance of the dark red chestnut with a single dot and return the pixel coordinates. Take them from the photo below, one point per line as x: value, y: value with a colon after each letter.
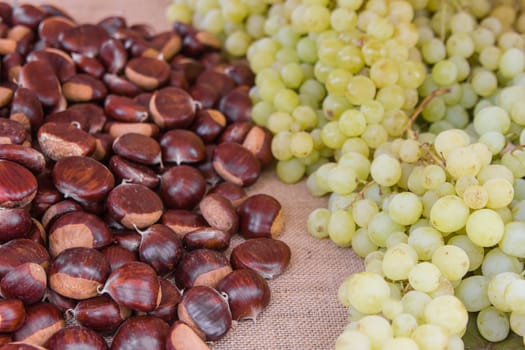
x: 42, y: 321
x: 60, y: 302
x: 182, y: 187
x: 21, y: 346
x: 266, y: 256
x: 259, y: 142
x: 132, y: 172
x: 14, y: 223
x: 26, y: 282
x: 182, y: 146
x: 208, y: 124
x: 58, y: 209
x: 117, y: 256
x: 12, y: 315
x: 201, y: 267
x: 101, y: 313
x: 134, y: 206
x: 134, y: 285
x: 235, y: 193
x: 20, y: 251
x: 141, y: 332
x: 248, y: 294
x: 183, y: 337
x: 219, y: 213
x: 18, y: 185
x: 236, y: 164
x: 182, y: 221
x: 128, y: 239
x: 172, y: 107
x: 260, y: 215
x: 78, y: 273
x: 160, y: 247
x: 208, y: 237
x: 78, y: 229
x: 167, y: 309
x: 75, y: 337
x: 206, y: 311
x: 138, y: 148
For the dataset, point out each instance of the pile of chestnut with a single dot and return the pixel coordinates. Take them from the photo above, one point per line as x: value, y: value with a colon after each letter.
x: 124, y: 157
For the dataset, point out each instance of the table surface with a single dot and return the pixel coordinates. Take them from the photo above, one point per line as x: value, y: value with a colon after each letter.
x: 304, y: 313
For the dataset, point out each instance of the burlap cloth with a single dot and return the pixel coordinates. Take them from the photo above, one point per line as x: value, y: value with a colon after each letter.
x: 304, y: 313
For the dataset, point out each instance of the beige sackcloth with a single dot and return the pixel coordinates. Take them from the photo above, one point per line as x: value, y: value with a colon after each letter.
x: 303, y: 313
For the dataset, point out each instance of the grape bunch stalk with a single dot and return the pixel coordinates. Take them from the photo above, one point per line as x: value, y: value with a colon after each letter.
x: 409, y: 115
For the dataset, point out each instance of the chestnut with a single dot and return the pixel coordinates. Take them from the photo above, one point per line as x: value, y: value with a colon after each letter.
x: 259, y: 142
x: 207, y: 237
x: 101, y: 313
x: 219, y: 213
x: 134, y: 285
x: 58, y: 209
x: 141, y: 332
x: 172, y: 107
x: 76, y: 337
x: 78, y: 229
x: 248, y: 294
x: 160, y: 247
x: 182, y: 146
x: 60, y: 302
x: 208, y: 124
x: 147, y: 73
x: 26, y: 282
x: 236, y: 164
x: 237, y: 105
x: 182, y: 221
x: 134, y: 206
x: 20, y: 251
x: 59, y: 140
x: 267, y: 256
x: 117, y: 256
x: 78, y: 272
x: 260, y: 215
x: 183, y: 337
x: 132, y: 172
x: 83, y: 179
x: 18, y: 186
x: 14, y: 223
x: 206, y: 167
x: 206, y: 311
x: 21, y: 346
x: 201, y: 267
x: 167, y: 309
x: 129, y: 239
x: 235, y: 193
x: 182, y: 187
x: 12, y: 315
x: 41, y: 322
x: 138, y: 148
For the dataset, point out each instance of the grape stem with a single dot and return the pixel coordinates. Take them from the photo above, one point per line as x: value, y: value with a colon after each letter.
x: 510, y: 148
x: 361, y: 193
x: 438, y: 92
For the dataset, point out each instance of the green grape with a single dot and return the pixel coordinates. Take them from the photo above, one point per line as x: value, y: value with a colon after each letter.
x: 452, y: 261
x: 374, y: 135
x: 424, y: 277
x: 484, y: 83
x: 511, y: 242
x: 444, y: 73
x: 334, y: 106
x: 261, y: 111
x: 433, y: 50
x: 350, y: 58
x: 292, y: 75
x: 496, y: 262
x: 360, y: 90
x: 448, y: 312
x: 430, y: 337
x: 342, y: 179
x: 392, y: 97
x: 404, y: 325
x: 286, y: 100
x: 307, y: 50
x: 472, y: 291
x: 317, y: 223
x: 279, y: 121
x: 357, y: 145
x: 343, y: 19
x: 512, y: 62
x: 380, y: 227
x: 361, y: 243
x: 500, y: 192
x: 414, y: 303
x: 358, y: 162
x: 405, y: 208
x: 341, y: 228
x: 377, y: 329
x: 336, y: 81
x: 425, y: 240
x: 291, y: 170
x: 281, y: 149
x: 179, y: 12
x: 493, y: 324
x: 385, y: 170
x: 449, y: 214
x: 352, y: 339
x: 352, y: 123
x: 301, y: 144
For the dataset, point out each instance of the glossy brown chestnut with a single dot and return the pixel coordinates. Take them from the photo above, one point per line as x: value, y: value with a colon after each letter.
x: 201, y: 267
x: 42, y: 321
x: 138, y: 148
x: 182, y: 221
x: 14, y: 223
x: 183, y: 337
x: 260, y: 215
x: 120, y: 85
x: 206, y: 311
x: 235, y: 193
x: 78, y: 229
x: 117, y: 256
x: 78, y: 273
x: 12, y: 132
x: 134, y: 285
x: 182, y: 146
x: 128, y: 239
x: 182, y: 187
x: 113, y: 55
x: 28, y: 15
x: 148, y: 73
x: 101, y: 314
x: 41, y: 78
x: 267, y: 256
x: 237, y: 105
x: 125, y: 109
x: 94, y: 114
x: 26, y: 156
x: 58, y: 141
x: 206, y: 167
x: 248, y: 294
x: 219, y: 81
x: 240, y: 72
x: 51, y: 29
x: 76, y: 337
x: 116, y: 129
x: 12, y: 315
x: 85, y: 39
x: 58, y: 209
x: 26, y: 282
x: 134, y: 206
x: 208, y: 124
x: 141, y: 332
x: 219, y: 213
x: 259, y: 142
x: 207, y: 95
x: 61, y: 63
x: 88, y: 65
x: 208, y: 237
x: 26, y: 102
x: 167, y: 309
x: 236, y: 164
x: 83, y: 179
x: 130, y: 172
x: 172, y: 107
x: 60, y: 302
x: 83, y: 88
x: 37, y: 233
x: 160, y: 248
x: 235, y: 132
x: 19, y: 251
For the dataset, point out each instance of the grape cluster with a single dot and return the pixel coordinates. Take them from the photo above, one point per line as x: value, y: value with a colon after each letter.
x: 409, y: 115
